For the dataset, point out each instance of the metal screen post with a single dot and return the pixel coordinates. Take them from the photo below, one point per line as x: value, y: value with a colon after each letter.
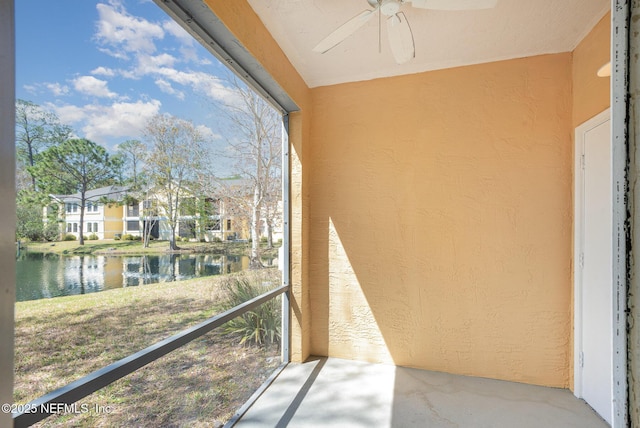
x: 8, y: 208
x: 626, y: 98
x: 623, y: 201
x: 286, y: 247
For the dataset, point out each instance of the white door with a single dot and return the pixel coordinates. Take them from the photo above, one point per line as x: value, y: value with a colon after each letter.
x: 594, y: 286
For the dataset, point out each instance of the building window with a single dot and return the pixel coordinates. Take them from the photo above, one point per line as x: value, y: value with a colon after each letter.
x: 212, y: 224
x: 75, y: 227
x: 88, y: 227
x: 92, y: 207
x: 133, y: 225
x: 72, y: 208
x: 229, y: 224
x: 149, y: 207
x: 68, y: 227
x: 133, y: 211
x: 95, y: 227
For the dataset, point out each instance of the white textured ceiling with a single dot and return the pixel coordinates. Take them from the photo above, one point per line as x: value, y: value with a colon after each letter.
x: 514, y: 29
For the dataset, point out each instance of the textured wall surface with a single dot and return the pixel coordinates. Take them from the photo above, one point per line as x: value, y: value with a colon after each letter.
x: 441, y: 220
x: 591, y: 94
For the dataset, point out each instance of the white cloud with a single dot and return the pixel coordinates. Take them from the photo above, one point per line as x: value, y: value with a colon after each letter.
x: 89, y: 85
x: 168, y: 89
x: 199, y: 82
x: 114, y: 53
x: 32, y: 89
x: 54, y: 88
x: 173, y: 28
x: 103, y: 71
x: 57, y: 89
x: 101, y: 122
x: 122, y: 35
x: 207, y: 133
x: 121, y: 32
x: 69, y: 113
x: 149, y: 63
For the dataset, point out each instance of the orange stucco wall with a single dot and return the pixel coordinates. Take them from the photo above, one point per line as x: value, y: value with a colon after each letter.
x: 432, y: 213
x: 441, y: 220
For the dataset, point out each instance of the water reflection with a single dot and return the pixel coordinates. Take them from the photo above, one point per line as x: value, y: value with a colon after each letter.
x: 41, y: 276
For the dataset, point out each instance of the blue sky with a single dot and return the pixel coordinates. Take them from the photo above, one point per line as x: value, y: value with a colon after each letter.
x: 105, y: 67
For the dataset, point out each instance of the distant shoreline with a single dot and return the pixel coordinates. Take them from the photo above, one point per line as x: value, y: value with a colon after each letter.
x: 109, y: 246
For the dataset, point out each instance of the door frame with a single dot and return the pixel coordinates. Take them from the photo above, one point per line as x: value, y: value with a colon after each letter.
x: 578, y: 238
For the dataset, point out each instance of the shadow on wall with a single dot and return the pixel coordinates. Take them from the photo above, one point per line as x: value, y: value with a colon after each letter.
x: 441, y: 236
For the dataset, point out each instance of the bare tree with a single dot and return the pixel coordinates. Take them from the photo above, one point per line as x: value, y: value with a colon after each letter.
x: 175, y: 160
x: 256, y: 152
x: 133, y: 152
x: 272, y: 208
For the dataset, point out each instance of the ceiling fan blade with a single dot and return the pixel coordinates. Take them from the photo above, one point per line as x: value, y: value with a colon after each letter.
x: 344, y: 31
x: 400, y: 38
x: 454, y: 4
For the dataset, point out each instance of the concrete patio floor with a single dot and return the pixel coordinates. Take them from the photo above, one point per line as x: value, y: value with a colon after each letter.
x: 340, y: 393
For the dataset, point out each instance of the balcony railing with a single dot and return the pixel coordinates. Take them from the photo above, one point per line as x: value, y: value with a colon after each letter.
x: 48, y: 404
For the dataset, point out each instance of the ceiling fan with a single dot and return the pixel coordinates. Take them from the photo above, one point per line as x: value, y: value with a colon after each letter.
x: 398, y: 29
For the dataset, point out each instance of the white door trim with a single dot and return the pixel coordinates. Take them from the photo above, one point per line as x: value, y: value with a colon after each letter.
x: 578, y: 232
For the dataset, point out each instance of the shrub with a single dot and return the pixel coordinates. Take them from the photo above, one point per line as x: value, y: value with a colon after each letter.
x: 51, y: 231
x: 117, y: 237
x: 261, y: 324
x: 263, y: 239
x: 69, y: 237
x: 216, y: 239
x: 93, y: 237
x: 128, y: 237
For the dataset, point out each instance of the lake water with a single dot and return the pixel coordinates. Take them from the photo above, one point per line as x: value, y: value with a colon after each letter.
x: 41, y: 276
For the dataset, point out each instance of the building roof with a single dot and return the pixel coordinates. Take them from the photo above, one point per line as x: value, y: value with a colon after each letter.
x: 110, y: 192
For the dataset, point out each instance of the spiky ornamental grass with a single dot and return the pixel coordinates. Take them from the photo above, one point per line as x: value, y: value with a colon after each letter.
x: 261, y: 325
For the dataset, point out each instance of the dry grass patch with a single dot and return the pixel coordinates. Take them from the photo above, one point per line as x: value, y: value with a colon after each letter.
x: 62, y: 339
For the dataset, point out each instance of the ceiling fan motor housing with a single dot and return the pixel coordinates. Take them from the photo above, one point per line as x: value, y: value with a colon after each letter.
x: 389, y: 7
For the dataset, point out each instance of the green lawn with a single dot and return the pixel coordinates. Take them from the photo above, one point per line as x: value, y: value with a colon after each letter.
x: 59, y: 340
